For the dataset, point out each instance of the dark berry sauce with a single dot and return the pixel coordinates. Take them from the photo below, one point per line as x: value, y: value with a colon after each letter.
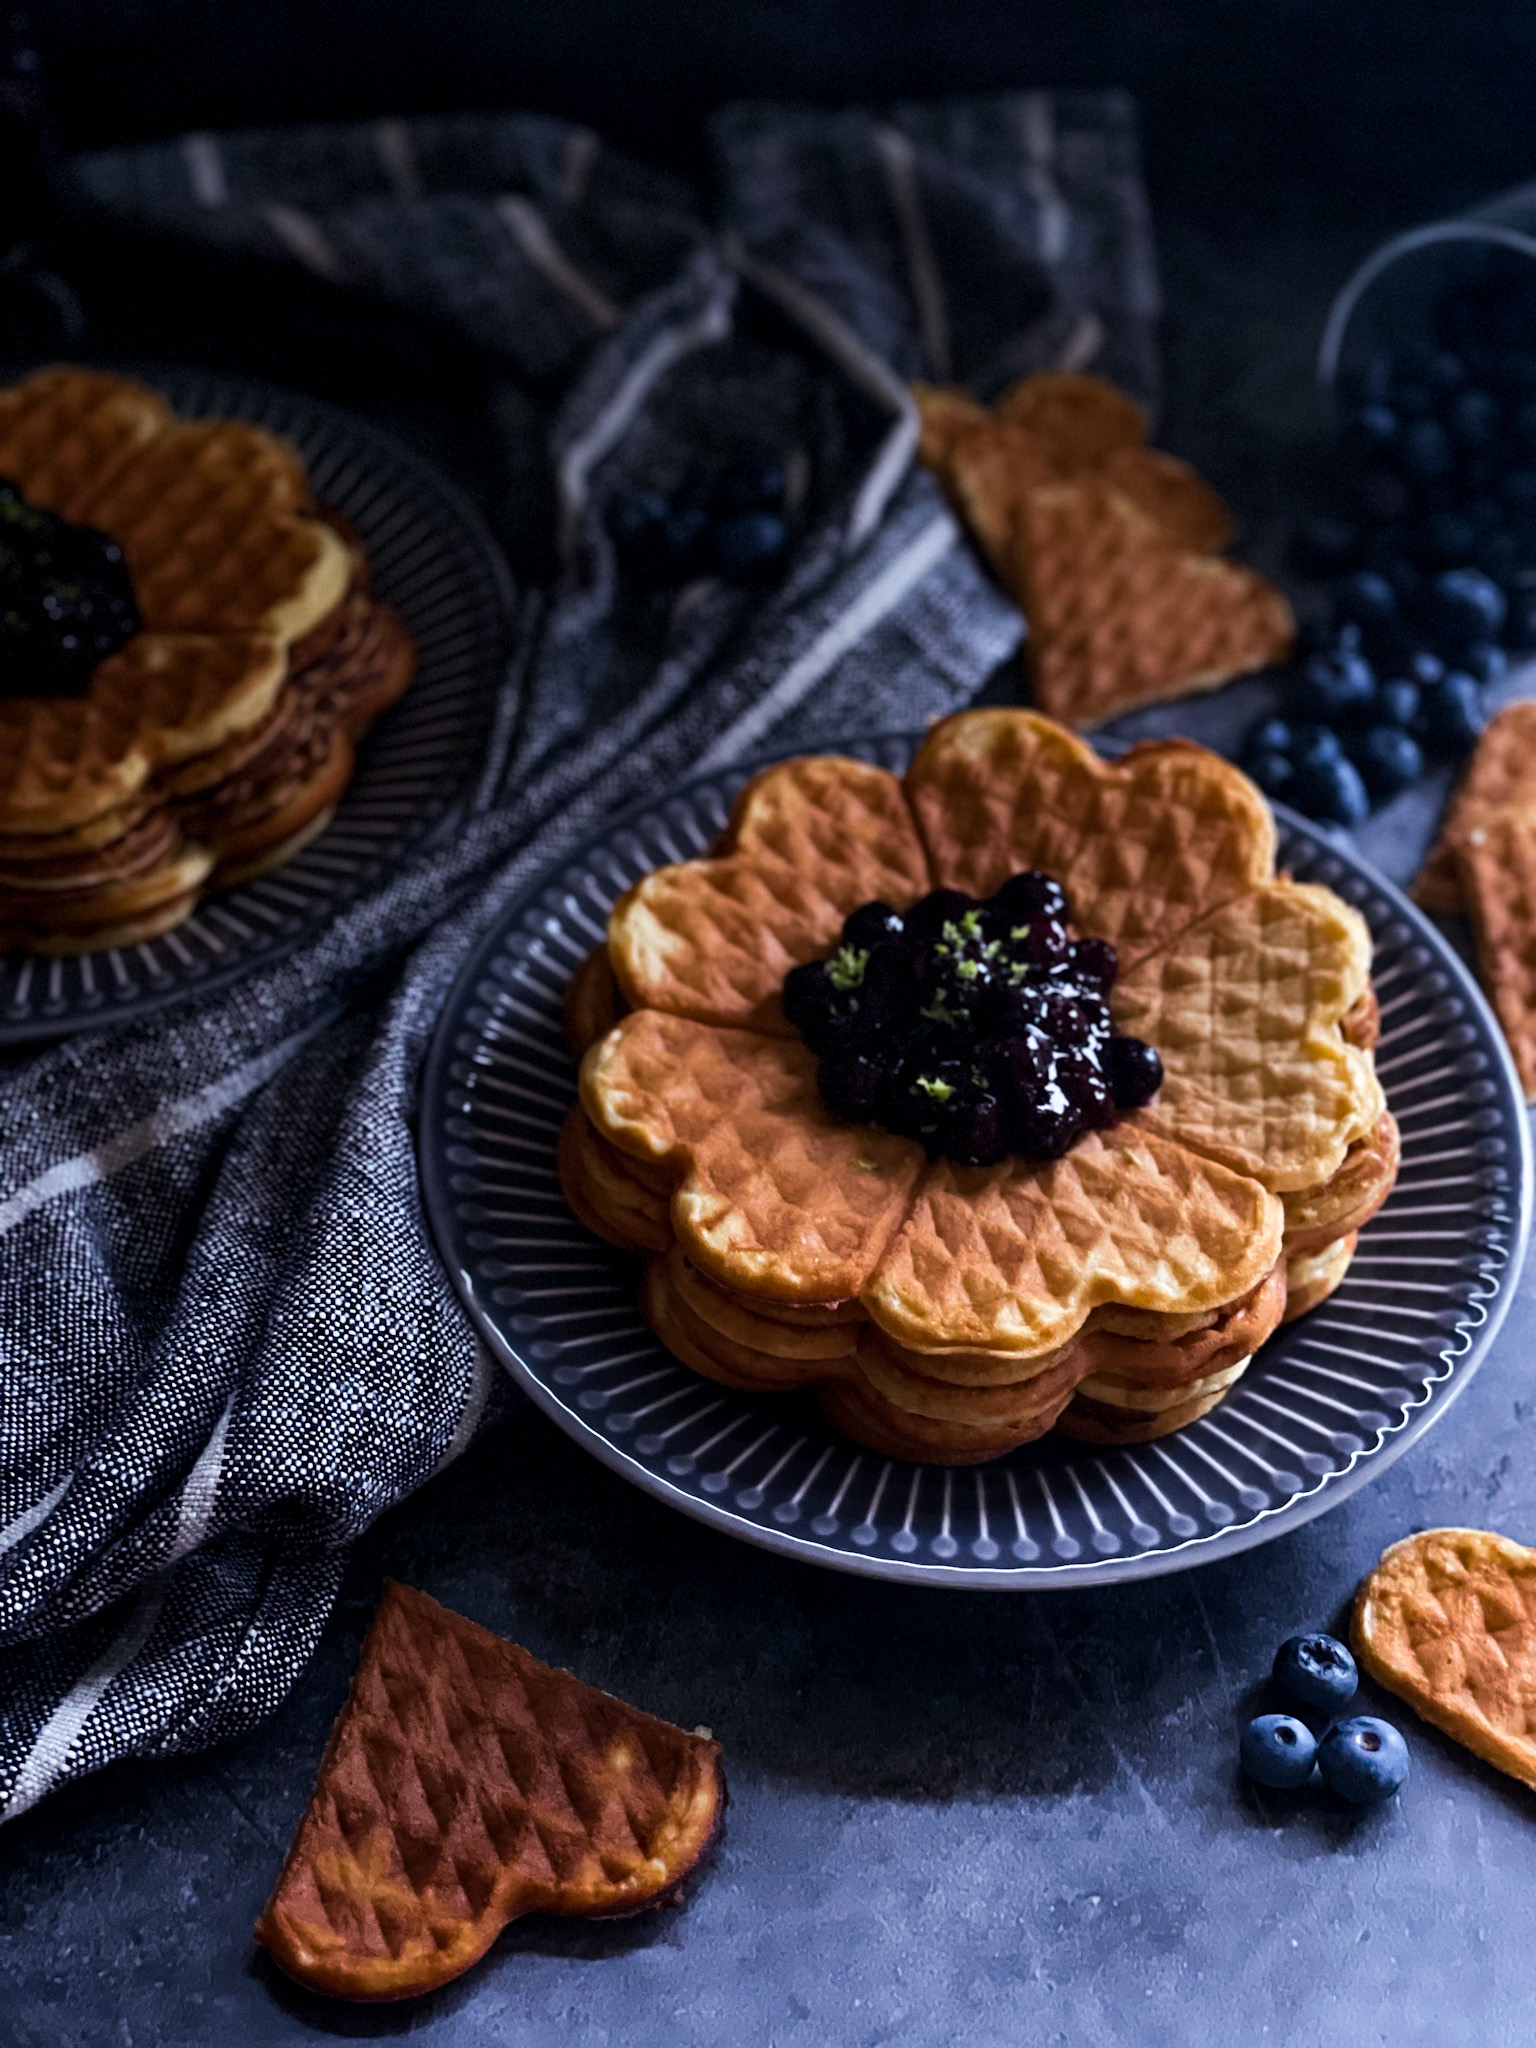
x: 65, y: 601
x: 979, y: 1029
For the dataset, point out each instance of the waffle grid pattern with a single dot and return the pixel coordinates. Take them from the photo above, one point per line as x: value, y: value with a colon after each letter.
x: 1328, y: 1401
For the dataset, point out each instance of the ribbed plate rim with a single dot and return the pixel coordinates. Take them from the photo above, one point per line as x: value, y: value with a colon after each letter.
x: 1205, y: 1547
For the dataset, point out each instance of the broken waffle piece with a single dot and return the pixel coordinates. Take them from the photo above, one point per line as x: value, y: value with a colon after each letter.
x: 1447, y: 1621
x: 1111, y: 548
x: 464, y: 1785
x: 1118, y: 617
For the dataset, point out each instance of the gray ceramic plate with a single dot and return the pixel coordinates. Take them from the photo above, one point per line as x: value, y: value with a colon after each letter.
x: 1327, y: 1404
x: 435, y: 563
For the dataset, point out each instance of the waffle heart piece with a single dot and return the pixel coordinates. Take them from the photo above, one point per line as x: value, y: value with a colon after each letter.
x: 465, y: 1784
x: 1119, y: 616
x: 1447, y: 1621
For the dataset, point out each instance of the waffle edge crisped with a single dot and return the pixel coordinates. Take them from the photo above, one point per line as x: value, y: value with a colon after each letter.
x: 1483, y: 863
x: 465, y: 1784
x: 1447, y: 1621
x: 1112, y: 549
x: 943, y: 1312
x: 216, y: 742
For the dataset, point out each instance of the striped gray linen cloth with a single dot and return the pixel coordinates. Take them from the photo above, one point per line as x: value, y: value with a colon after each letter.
x: 225, y: 1342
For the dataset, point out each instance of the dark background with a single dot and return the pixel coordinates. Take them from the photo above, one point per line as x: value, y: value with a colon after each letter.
x: 1254, y: 109
x: 981, y: 1818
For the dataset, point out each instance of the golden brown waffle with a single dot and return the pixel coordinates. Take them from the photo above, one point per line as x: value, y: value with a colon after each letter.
x: 1111, y: 547
x: 807, y: 843
x: 1447, y: 1621
x: 1499, y: 779
x: 1120, y: 617
x: 1484, y: 863
x: 1145, y: 845
x: 1081, y: 419
x: 64, y: 432
x: 464, y: 1785
x: 950, y: 1312
x: 229, y: 721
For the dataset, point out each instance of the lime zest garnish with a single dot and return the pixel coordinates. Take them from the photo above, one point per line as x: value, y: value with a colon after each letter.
x: 845, y: 970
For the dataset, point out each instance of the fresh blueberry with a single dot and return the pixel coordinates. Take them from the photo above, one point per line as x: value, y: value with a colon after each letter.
x: 1388, y: 759
x: 1331, y: 791
x: 1486, y: 660
x: 1324, y: 547
x: 1363, y: 1759
x: 1334, y: 686
x: 1274, y: 736
x: 1473, y: 418
x: 1425, y: 667
x: 1518, y: 489
x: 1366, y: 596
x: 753, y: 483
x: 1278, y: 1750
x: 1135, y: 1071
x: 1369, y: 382
x: 1452, y: 715
x: 872, y: 924
x: 1466, y: 606
x: 1272, y: 772
x: 1424, y: 450
x: 748, y: 541
x: 1375, y: 426
x: 1026, y: 896
x: 852, y: 1085
x: 1499, y: 553
x: 1396, y: 703
x: 1315, y: 746
x: 1449, y: 537
x: 1317, y: 1671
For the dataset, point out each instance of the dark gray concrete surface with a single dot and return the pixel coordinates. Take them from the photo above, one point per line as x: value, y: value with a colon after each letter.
x: 988, y: 1820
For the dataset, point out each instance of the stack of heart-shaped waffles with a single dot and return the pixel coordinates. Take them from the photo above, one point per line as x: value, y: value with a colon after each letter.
x: 949, y: 1312
x: 1111, y: 548
x: 216, y: 741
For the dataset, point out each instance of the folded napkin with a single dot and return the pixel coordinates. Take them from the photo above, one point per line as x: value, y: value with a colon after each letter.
x: 226, y: 1344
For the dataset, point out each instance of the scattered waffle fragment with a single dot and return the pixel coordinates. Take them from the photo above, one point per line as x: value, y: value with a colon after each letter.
x: 1484, y: 863
x: 1447, y: 1621
x: 465, y: 1784
x: 1111, y: 548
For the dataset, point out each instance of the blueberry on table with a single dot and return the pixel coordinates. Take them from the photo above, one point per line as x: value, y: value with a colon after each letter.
x: 1466, y: 606
x: 1424, y: 449
x: 1278, y: 1750
x: 1486, y: 662
x: 1396, y: 702
x: 748, y: 541
x: 1473, y: 418
x: 1274, y: 736
x: 1332, y: 791
x: 1367, y: 596
x: 1314, y: 746
x: 1324, y: 547
x: 1273, y: 772
x: 1452, y: 715
x: 1375, y: 426
x: 1363, y: 1759
x: 1425, y: 667
x: 1335, y: 687
x: 1317, y: 1671
x: 1389, y: 759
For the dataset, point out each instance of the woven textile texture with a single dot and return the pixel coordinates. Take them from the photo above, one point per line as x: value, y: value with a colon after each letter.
x: 225, y: 1342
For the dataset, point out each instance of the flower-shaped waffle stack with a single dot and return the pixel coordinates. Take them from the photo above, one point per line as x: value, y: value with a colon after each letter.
x: 212, y: 743
x: 949, y: 1312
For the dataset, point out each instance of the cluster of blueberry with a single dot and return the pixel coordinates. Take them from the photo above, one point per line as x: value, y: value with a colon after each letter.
x: 1433, y: 574
x: 65, y: 600
x: 732, y: 522
x: 978, y: 1029
x: 1361, y: 1758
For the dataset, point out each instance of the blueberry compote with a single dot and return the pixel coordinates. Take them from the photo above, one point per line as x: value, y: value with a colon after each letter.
x: 65, y: 600
x: 979, y: 1029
